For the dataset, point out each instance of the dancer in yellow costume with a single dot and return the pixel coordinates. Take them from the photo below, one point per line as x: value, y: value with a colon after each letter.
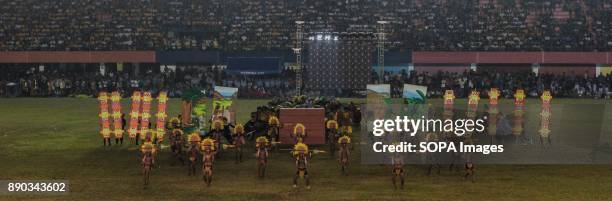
x: 299, y: 133
x: 262, y: 144
x: 344, y: 153
x: 208, y: 158
x: 301, y: 155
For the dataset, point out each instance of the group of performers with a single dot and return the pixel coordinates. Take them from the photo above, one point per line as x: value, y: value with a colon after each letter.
x: 264, y: 129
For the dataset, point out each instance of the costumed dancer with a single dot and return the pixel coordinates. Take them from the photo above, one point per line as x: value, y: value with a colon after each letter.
x: 176, y: 144
x: 519, y: 106
x: 344, y: 153
x: 332, y: 135
x: 492, y: 113
x: 217, y: 131
x: 261, y: 145
x: 208, y: 148
x: 274, y: 126
x: 299, y: 133
x: 545, y: 118
x: 193, y: 152
x: 470, y: 171
x: 301, y: 155
x: 148, y: 160
x: 398, y: 170
x: 238, y: 141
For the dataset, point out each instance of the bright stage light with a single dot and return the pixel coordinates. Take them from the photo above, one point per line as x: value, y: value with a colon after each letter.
x: 335, y: 37
x: 319, y: 37
x: 327, y: 37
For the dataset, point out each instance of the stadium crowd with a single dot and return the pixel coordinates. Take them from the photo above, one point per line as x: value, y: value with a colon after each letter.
x: 422, y: 25
x: 25, y: 82
x: 572, y: 85
x: 32, y: 82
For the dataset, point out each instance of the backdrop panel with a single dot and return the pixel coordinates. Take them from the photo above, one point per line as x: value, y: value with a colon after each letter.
x: 312, y: 118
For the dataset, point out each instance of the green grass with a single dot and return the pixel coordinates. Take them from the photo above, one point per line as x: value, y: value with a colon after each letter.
x: 57, y: 138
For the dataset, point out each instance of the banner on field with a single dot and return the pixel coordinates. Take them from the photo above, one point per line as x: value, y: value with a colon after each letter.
x: 378, y: 93
x: 414, y: 94
x: 223, y: 97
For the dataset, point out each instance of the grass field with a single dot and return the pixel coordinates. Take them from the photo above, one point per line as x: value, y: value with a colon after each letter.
x: 57, y: 138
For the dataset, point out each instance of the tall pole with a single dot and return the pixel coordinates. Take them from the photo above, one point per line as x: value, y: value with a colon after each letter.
x: 380, y: 35
x: 299, y: 35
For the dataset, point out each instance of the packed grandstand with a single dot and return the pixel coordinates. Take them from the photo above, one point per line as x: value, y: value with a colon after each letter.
x: 242, y: 26
x: 420, y: 25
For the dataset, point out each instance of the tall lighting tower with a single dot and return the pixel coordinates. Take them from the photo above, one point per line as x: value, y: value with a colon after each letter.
x: 381, y: 38
x: 299, y: 36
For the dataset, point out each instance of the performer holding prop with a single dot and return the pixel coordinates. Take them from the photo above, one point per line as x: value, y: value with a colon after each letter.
x: 134, y: 117
x: 493, y: 112
x: 117, y: 120
x: 519, y: 106
x: 301, y: 154
x: 238, y: 141
x: 208, y: 158
x: 160, y: 125
x: 104, y: 118
x: 261, y: 144
x: 274, y: 126
x: 145, y: 115
x: 217, y: 131
x: 545, y: 118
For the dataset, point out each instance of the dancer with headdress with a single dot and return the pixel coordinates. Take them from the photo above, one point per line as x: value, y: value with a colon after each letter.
x: 193, y: 152
x: 238, y: 141
x: 148, y: 161
x: 299, y: 133
x: 301, y: 155
x: 208, y: 148
x: 332, y: 135
x: 261, y: 145
x: 176, y: 144
x: 274, y: 127
x: 344, y: 153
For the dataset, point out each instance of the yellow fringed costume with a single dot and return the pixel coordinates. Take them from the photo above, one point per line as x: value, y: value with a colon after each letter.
x: 273, y: 121
x: 332, y: 124
x: 208, y: 143
x: 344, y: 140
x: 194, y: 138
x: 261, y: 141
x: 300, y: 148
x: 239, y: 129
x: 147, y: 147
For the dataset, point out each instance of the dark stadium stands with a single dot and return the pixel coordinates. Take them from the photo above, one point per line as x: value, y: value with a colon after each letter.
x: 420, y: 25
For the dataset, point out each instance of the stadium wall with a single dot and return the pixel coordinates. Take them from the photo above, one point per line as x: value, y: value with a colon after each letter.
x: 512, y: 57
